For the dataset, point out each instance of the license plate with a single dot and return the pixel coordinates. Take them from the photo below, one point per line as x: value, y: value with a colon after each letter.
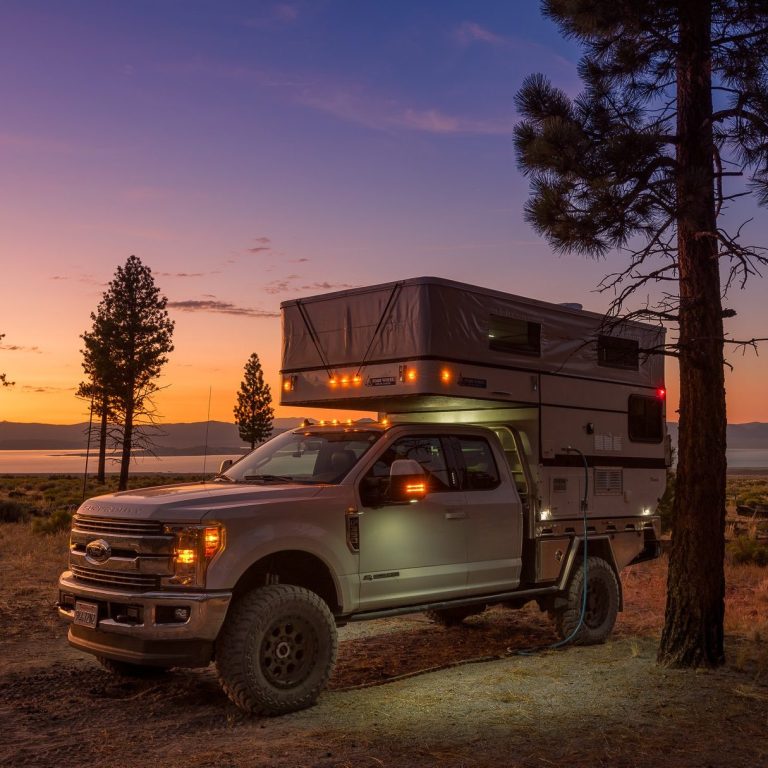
x: 86, y: 614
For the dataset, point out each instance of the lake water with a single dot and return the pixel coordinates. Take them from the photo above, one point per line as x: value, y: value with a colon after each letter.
x: 73, y: 462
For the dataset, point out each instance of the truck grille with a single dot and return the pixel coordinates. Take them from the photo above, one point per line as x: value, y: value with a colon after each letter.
x: 106, y: 525
x: 111, y: 579
x: 138, y: 554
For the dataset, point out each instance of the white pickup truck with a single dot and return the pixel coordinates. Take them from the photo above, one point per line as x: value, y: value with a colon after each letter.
x: 317, y: 527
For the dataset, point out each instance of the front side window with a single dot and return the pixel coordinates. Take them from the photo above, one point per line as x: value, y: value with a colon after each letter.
x: 303, y: 457
x: 646, y: 419
x: 478, y: 467
x: 511, y: 334
x: 429, y: 452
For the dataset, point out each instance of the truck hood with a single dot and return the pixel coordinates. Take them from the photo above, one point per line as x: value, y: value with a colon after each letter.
x: 192, y: 502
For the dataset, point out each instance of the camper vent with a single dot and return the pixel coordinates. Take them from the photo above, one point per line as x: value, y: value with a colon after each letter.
x: 609, y: 482
x: 559, y: 484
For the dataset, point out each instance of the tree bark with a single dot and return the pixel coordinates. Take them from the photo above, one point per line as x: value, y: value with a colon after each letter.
x: 102, y: 468
x: 693, y: 627
x: 125, y: 460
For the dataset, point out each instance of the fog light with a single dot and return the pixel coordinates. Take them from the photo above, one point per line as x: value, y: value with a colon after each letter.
x: 181, y: 614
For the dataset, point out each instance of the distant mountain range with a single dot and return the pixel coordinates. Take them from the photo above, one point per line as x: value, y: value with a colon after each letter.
x: 169, y: 440
x: 223, y: 437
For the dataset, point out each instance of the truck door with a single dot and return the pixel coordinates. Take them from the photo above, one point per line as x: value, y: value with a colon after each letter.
x: 413, y: 551
x: 494, y: 517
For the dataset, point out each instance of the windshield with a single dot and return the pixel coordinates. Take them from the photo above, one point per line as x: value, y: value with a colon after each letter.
x: 303, y: 457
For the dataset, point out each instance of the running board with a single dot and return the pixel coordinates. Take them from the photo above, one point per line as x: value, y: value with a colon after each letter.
x: 497, y: 598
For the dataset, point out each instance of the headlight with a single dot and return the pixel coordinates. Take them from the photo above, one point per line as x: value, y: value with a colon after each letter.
x: 194, y: 548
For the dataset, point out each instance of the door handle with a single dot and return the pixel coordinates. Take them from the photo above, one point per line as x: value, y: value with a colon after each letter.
x: 458, y: 514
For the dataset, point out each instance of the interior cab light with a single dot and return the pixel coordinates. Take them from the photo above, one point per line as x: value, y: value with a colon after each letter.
x: 445, y: 376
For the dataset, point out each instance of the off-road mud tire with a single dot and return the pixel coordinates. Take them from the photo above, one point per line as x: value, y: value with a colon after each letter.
x: 276, y: 650
x: 451, y: 617
x: 602, y: 603
x: 135, y: 671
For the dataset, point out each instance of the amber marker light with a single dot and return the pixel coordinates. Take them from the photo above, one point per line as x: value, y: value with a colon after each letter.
x: 416, y: 488
x: 445, y: 376
x: 287, y: 385
x: 211, y: 542
x: 357, y: 380
x: 186, y: 556
x: 333, y: 381
x: 410, y: 374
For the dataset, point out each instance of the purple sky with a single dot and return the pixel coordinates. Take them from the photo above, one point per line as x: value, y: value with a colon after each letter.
x: 254, y: 152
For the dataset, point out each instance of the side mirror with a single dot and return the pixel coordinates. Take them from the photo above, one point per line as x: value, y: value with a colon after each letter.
x: 407, y: 481
x: 225, y: 465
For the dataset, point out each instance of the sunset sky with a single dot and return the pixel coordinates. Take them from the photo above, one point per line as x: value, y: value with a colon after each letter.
x: 252, y: 152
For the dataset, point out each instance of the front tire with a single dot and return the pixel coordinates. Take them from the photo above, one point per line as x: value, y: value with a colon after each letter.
x: 602, y: 604
x: 276, y: 650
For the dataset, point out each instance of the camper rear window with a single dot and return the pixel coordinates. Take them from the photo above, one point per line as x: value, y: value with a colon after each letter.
x: 646, y: 419
x: 615, y: 352
x: 510, y: 334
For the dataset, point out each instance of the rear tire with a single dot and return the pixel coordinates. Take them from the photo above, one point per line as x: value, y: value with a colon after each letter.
x: 602, y: 604
x: 276, y: 650
x: 451, y: 617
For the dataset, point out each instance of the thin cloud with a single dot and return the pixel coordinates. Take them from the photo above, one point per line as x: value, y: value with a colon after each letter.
x: 45, y: 390
x: 297, y: 261
x: 384, y: 115
x: 278, y: 15
x: 280, y: 286
x: 219, y: 307
x: 326, y: 286
x: 359, y: 105
x: 183, y: 274
x: 20, y: 348
x: 469, y: 32
x: 259, y: 249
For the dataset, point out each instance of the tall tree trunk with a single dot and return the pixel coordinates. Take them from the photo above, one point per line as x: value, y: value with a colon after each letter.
x: 693, y: 626
x: 102, y: 468
x: 125, y: 460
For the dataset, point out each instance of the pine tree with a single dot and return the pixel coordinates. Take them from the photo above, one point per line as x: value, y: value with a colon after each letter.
x: 675, y: 104
x: 128, y: 346
x: 253, y: 411
x: 100, y: 384
x: 3, y: 378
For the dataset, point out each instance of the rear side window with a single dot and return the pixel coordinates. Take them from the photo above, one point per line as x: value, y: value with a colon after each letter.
x: 646, y: 419
x: 477, y: 466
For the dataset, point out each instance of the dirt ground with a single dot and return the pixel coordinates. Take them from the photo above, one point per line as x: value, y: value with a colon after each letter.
x: 405, y: 693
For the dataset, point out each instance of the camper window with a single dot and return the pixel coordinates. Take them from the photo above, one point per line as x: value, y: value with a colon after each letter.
x: 511, y: 334
x: 646, y: 419
x: 615, y: 352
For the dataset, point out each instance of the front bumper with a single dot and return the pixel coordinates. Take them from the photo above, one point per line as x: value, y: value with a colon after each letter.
x: 149, y: 639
